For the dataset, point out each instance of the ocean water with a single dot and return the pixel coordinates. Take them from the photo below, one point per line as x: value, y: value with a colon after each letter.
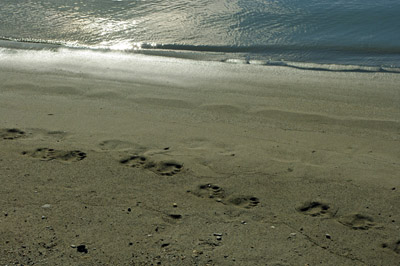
x: 316, y: 34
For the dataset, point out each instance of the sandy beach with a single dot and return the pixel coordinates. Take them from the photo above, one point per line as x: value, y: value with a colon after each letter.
x: 142, y: 160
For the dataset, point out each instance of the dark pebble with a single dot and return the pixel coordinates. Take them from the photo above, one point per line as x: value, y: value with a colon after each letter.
x: 82, y: 248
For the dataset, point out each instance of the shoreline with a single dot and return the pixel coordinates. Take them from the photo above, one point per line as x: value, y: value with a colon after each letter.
x: 203, y: 56
x: 147, y: 159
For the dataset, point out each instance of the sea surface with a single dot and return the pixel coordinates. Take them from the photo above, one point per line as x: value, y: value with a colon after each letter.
x: 314, y: 34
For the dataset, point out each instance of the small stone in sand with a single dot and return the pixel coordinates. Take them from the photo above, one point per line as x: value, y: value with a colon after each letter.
x: 46, y: 206
x: 82, y: 248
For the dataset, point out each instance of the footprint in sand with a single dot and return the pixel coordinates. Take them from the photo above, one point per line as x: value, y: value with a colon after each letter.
x: 357, y: 221
x: 168, y: 168
x: 47, y: 154
x: 395, y: 246
x: 11, y: 133
x: 315, y: 208
x: 211, y: 191
x: 118, y: 145
x: 15, y: 133
x: 136, y: 161
x: 165, y: 168
x: 246, y: 202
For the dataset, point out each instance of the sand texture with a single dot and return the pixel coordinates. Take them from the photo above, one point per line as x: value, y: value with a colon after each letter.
x: 161, y: 161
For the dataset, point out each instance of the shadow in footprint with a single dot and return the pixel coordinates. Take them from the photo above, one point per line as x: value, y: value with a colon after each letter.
x: 246, y: 202
x: 47, y: 154
x: 209, y: 191
x: 357, y: 221
x: 315, y: 208
x: 11, y: 133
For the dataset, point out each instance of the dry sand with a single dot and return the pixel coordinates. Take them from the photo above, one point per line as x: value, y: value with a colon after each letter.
x: 154, y: 161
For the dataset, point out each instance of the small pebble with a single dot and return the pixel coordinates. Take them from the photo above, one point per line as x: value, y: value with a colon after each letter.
x: 73, y: 246
x: 243, y: 222
x: 219, y: 238
x: 46, y: 206
x: 328, y: 236
x: 217, y: 234
x: 43, y: 217
x: 292, y: 234
x: 273, y: 227
x: 175, y: 205
x: 82, y: 248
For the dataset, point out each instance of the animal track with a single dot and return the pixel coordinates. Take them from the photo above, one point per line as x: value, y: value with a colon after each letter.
x: 246, y: 202
x: 315, y: 208
x: 11, y: 133
x: 47, y: 154
x: 165, y: 168
x: 209, y: 191
x: 357, y: 221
